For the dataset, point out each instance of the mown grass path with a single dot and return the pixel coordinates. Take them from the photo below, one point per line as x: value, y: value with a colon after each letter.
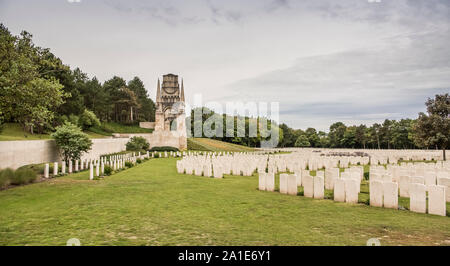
x: 151, y: 204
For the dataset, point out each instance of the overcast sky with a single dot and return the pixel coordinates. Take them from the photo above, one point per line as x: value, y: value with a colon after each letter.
x: 356, y: 61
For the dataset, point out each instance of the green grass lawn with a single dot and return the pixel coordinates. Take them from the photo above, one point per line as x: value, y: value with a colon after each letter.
x: 151, y: 204
x: 205, y: 144
x: 107, y: 128
x: 13, y: 131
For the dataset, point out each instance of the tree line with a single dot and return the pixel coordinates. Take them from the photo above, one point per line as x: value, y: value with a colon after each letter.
x: 391, y: 134
x: 40, y: 92
x: 430, y: 130
x: 232, y: 129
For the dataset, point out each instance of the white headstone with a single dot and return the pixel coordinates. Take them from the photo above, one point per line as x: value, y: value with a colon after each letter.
x: 319, y: 191
x: 298, y: 174
x: 55, y: 169
x: 351, y: 191
x: 91, y: 171
x: 339, y: 190
x: 292, y: 185
x: 436, y: 200
x: 376, y: 193
x: 270, y: 182
x: 262, y: 181
x: 329, y: 180
x: 390, y: 194
x: 70, y: 166
x: 403, y: 185
x: 283, y: 183
x: 46, y: 170
x: 308, y: 186
x: 430, y: 179
x: 417, y: 195
x: 443, y: 181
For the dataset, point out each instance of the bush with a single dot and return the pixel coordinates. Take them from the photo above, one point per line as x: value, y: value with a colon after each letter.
x: 37, y: 168
x: 108, y: 170
x: 24, y: 176
x: 88, y: 119
x: 128, y: 164
x: 138, y: 161
x: 73, y: 119
x: 6, y: 176
x: 137, y: 144
x: 71, y: 141
x: 164, y: 148
x: 156, y: 155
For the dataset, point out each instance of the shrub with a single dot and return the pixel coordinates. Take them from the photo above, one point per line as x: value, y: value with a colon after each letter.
x: 108, y: 170
x: 164, y: 148
x: 6, y: 176
x: 138, y: 161
x: 37, y: 168
x: 156, y: 155
x: 137, y: 144
x: 71, y: 141
x: 24, y: 176
x: 88, y: 119
x: 74, y: 119
x: 128, y: 164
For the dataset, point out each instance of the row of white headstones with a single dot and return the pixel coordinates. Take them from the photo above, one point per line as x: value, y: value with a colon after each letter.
x: 412, y: 180
x: 376, y: 156
x: 97, y: 166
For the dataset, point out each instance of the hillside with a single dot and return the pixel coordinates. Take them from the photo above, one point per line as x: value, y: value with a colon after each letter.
x: 204, y: 144
x: 13, y: 131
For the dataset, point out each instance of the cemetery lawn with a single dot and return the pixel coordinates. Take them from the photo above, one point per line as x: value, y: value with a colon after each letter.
x: 150, y: 204
x: 205, y: 144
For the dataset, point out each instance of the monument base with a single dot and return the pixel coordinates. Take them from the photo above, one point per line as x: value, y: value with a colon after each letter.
x: 161, y: 138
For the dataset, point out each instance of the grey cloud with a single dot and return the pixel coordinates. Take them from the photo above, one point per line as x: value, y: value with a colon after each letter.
x: 357, y: 84
x: 277, y: 4
x: 219, y: 14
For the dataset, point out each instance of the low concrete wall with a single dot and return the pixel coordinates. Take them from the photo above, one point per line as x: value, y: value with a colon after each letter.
x: 149, y: 125
x: 14, y: 154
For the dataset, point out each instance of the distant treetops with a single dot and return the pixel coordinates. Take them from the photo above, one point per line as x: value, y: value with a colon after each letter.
x: 40, y: 92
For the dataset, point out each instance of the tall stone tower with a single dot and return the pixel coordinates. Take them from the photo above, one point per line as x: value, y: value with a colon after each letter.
x: 170, y: 112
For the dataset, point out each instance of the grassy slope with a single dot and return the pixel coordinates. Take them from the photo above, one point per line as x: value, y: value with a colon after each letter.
x: 12, y: 131
x: 205, y: 144
x: 153, y: 205
x: 111, y: 127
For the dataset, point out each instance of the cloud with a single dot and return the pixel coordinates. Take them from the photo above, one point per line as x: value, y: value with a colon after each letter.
x: 276, y: 4
x: 219, y: 14
x: 355, y: 85
x: 323, y: 60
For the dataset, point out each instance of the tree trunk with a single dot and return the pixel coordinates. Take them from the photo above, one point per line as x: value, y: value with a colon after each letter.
x: 443, y: 153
